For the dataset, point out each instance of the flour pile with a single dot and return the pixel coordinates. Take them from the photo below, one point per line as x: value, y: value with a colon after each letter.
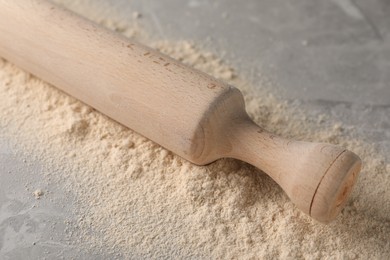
x: 136, y: 198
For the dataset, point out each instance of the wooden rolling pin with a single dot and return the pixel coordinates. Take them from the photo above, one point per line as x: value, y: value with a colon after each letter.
x: 184, y: 110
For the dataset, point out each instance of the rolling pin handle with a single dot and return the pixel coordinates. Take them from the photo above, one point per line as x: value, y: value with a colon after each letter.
x: 317, y: 177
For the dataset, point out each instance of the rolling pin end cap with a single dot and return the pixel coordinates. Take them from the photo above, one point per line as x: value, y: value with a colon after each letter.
x: 335, y: 187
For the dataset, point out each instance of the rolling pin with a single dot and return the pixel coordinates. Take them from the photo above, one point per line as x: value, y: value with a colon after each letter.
x: 184, y: 110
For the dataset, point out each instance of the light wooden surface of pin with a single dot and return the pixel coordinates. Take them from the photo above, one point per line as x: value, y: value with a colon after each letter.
x: 182, y: 109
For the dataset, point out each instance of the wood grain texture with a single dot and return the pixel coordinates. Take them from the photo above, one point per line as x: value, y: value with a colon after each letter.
x: 184, y: 110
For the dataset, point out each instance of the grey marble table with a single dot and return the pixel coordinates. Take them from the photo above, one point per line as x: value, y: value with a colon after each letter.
x: 331, y: 56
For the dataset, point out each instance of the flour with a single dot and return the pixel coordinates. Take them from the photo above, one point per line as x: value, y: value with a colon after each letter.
x: 137, y: 198
x: 38, y: 193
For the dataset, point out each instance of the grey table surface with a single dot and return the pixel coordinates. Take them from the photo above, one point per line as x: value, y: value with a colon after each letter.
x: 332, y: 56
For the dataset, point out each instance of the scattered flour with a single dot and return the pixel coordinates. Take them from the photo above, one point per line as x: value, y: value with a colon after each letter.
x: 38, y: 193
x: 136, y: 198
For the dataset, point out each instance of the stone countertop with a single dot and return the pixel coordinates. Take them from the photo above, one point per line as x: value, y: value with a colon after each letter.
x: 332, y: 57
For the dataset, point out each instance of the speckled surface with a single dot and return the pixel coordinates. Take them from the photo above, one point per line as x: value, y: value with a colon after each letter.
x: 331, y: 57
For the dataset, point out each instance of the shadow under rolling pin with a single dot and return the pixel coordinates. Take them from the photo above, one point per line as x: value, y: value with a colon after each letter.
x: 184, y: 110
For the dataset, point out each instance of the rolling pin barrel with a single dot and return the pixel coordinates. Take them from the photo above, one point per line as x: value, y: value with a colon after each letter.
x: 184, y: 110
